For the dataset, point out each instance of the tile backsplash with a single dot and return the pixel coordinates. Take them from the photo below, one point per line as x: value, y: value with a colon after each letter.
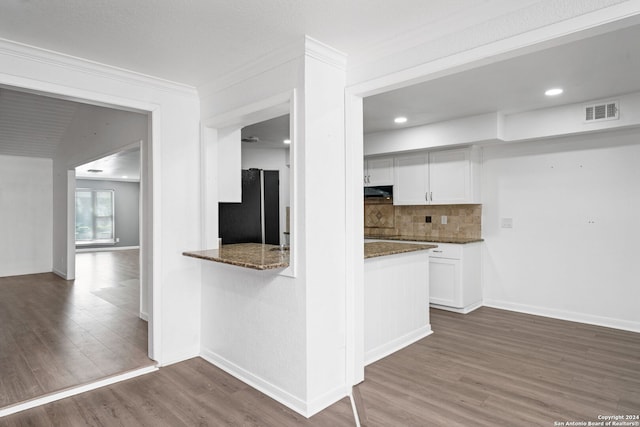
x: 462, y: 221
x: 379, y: 216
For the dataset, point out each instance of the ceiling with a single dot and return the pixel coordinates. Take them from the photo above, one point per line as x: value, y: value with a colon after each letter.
x: 168, y: 42
x: 121, y: 166
x: 270, y: 133
x: 32, y: 125
x: 194, y: 41
x: 590, y: 69
x: 598, y: 67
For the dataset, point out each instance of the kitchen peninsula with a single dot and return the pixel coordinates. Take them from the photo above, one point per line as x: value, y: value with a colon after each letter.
x: 267, y: 257
x: 396, y: 288
x: 396, y: 297
x: 249, y: 255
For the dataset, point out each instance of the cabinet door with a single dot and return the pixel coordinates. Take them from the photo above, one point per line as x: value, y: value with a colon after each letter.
x: 450, y: 176
x: 380, y: 171
x: 444, y: 282
x: 365, y: 178
x: 411, y: 179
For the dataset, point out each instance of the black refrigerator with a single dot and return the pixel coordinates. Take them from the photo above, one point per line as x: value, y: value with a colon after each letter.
x: 257, y: 218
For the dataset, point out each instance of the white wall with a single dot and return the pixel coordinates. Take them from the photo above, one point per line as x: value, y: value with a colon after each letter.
x: 572, y: 252
x: 324, y: 187
x: 466, y: 130
x: 271, y: 159
x: 25, y: 215
x: 569, y: 119
x: 286, y: 334
x: 175, y: 187
x: 541, y: 123
x: 265, y: 311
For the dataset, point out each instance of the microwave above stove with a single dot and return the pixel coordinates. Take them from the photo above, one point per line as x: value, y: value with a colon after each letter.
x: 378, y: 194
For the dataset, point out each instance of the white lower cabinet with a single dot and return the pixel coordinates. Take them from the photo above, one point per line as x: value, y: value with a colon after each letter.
x: 454, y: 277
x: 444, y: 277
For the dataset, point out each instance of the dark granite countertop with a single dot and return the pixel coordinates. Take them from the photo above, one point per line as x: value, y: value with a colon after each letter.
x: 267, y: 257
x: 376, y: 249
x: 250, y: 255
x: 457, y: 240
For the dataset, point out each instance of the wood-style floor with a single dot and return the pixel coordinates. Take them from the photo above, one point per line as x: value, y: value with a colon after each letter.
x: 56, y: 334
x: 493, y: 367
x: 487, y: 368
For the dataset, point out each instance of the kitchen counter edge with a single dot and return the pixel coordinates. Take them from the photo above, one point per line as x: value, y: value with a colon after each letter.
x: 255, y: 256
x: 378, y: 249
x: 429, y: 239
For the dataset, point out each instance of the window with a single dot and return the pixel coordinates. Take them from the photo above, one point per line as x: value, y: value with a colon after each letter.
x: 94, y: 216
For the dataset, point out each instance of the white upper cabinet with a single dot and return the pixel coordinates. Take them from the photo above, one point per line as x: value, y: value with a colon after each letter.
x: 378, y: 171
x: 411, y: 184
x: 438, y: 177
x: 450, y: 177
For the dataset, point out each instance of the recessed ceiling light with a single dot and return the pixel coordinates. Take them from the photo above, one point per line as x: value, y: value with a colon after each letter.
x: 125, y: 176
x: 554, y: 92
x: 400, y: 120
x: 287, y: 141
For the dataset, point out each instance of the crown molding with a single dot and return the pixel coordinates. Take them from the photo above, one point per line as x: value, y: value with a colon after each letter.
x: 254, y: 68
x: 325, y: 53
x: 375, y: 75
x: 57, y: 59
x: 306, y: 46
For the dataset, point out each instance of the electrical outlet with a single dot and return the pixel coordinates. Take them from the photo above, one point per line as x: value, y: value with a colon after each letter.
x: 443, y: 219
x: 427, y: 218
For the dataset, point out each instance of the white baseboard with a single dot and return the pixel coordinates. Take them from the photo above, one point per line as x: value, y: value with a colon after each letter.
x: 392, y: 346
x: 326, y: 400
x: 464, y: 310
x: 176, y: 358
x: 52, y: 397
x: 144, y: 316
x: 590, y: 319
x: 27, y: 272
x: 295, y: 403
x: 59, y: 274
x: 106, y: 249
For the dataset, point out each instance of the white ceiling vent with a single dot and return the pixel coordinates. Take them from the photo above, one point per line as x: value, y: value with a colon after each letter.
x: 602, y: 111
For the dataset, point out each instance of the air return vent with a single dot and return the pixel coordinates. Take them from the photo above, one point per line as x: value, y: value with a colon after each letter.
x: 601, y: 111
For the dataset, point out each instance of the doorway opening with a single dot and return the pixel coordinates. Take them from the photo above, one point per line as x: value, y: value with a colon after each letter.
x: 60, y: 331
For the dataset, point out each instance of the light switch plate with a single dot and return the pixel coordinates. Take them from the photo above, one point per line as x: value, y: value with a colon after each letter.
x: 506, y: 223
x: 443, y: 219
